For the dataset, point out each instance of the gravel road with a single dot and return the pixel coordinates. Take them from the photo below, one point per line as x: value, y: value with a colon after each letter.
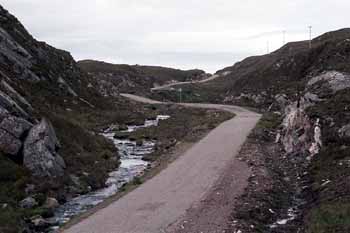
x: 163, y: 200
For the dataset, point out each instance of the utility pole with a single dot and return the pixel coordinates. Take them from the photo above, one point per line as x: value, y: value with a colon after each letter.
x: 284, y: 37
x: 268, y: 47
x: 310, y: 37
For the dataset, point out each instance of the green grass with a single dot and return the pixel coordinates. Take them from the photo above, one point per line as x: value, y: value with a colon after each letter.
x: 12, y: 183
x: 269, y: 121
x: 330, y: 218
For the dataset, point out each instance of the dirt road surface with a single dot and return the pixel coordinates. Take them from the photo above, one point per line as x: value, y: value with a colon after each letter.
x: 159, y: 203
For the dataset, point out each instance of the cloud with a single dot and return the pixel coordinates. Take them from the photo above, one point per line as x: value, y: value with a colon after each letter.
x: 178, y: 33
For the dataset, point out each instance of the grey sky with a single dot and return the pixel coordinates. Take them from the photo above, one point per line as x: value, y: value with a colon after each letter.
x: 186, y: 34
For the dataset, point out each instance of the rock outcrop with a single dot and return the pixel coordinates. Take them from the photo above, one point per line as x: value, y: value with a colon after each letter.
x: 344, y: 132
x: 12, y: 129
x: 333, y: 80
x: 40, y: 151
x: 28, y: 203
x: 296, y: 130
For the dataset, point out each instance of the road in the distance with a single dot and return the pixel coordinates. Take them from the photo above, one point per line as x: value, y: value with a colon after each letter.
x: 164, y: 199
x: 168, y: 86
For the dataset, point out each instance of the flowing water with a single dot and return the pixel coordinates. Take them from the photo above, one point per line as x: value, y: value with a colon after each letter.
x: 132, y: 165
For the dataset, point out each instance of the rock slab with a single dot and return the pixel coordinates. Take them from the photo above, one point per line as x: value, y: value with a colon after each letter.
x: 40, y: 151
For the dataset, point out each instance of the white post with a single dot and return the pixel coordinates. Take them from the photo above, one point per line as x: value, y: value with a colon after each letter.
x: 310, y: 37
x: 180, y: 90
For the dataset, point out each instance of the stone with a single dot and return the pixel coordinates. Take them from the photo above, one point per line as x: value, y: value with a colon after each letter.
x: 344, y: 131
x: 15, y: 125
x: 317, y: 142
x: 65, y: 85
x: 40, y: 151
x: 296, y: 130
x: 29, y: 188
x: 9, y: 144
x: 334, y: 80
x: 28, y: 203
x: 3, y: 113
x: 15, y: 95
x: 11, y: 105
x: 39, y: 222
x: 51, y: 203
x: 282, y: 100
x: 11, y: 130
x: 312, y: 97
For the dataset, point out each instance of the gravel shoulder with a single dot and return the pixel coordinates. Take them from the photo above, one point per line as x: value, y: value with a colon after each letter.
x: 164, y: 199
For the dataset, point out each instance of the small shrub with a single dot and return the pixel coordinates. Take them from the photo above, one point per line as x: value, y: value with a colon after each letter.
x: 137, y: 181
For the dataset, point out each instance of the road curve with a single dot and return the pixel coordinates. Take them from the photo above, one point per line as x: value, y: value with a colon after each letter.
x: 167, y: 86
x: 164, y: 199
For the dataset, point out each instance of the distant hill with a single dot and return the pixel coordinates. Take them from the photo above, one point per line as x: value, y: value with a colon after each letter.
x: 116, y: 78
x: 285, y: 70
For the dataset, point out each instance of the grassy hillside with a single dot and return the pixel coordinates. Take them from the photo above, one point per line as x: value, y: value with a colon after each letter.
x: 114, y: 78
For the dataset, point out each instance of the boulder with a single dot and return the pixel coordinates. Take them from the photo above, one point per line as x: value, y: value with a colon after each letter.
x: 344, y: 131
x: 39, y: 222
x: 296, y: 130
x: 15, y: 125
x: 333, y: 80
x: 8, y: 143
x: 311, y: 97
x: 3, y: 113
x: 11, y: 130
x: 51, y: 203
x: 28, y: 203
x: 40, y: 151
x: 282, y: 100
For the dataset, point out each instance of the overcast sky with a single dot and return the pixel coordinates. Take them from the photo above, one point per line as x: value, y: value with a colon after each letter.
x: 185, y: 34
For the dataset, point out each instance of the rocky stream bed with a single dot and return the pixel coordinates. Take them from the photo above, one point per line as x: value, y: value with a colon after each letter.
x: 132, y: 165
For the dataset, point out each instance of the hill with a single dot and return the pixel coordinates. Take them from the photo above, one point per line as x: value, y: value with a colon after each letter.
x: 114, y: 78
x: 49, y: 111
x: 305, y: 96
x: 52, y: 114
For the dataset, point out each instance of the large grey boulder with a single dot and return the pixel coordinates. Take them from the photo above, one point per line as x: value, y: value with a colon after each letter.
x: 334, y: 80
x: 16, y: 126
x: 8, y: 143
x: 40, y: 151
x: 11, y: 130
x: 51, y: 203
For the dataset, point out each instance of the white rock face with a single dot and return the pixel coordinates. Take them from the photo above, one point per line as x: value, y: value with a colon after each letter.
x: 296, y: 128
x: 298, y: 134
x: 335, y: 80
x: 317, y: 142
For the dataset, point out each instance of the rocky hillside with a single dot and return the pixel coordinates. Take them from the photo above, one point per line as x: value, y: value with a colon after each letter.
x: 114, y: 79
x: 258, y: 80
x: 308, y: 91
x: 49, y: 112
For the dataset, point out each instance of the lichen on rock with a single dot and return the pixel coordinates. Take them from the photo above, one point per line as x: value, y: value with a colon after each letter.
x: 40, y: 151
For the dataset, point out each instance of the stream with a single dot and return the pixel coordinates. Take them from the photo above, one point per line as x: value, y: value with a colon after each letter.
x: 132, y: 165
